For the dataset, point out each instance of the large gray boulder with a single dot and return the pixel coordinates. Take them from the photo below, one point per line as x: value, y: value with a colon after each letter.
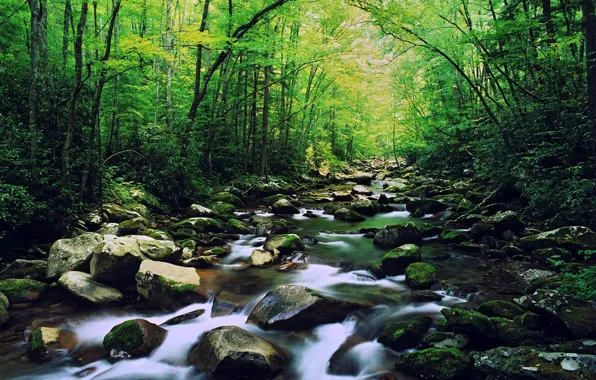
x: 571, y: 238
x: 71, y: 254
x: 426, y: 206
x: 397, y: 235
x: 199, y: 225
x: 286, y: 244
x: 116, y: 214
x: 289, y: 307
x: 230, y: 352
x: 506, y: 220
x: 116, y: 260
x: 365, y: 207
x: 198, y: 211
x: 398, y: 259
x: 32, y: 269
x: 284, y: 207
x: 84, y: 286
x: 348, y: 215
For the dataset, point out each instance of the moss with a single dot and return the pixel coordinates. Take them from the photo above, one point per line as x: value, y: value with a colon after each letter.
x: 433, y: 363
x: 408, y: 334
x: 470, y: 321
x: 125, y: 337
x: 421, y: 275
x: 36, y: 343
x: 503, y: 309
x: 22, y: 290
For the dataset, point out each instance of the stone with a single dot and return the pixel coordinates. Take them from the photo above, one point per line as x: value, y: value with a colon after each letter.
x: 293, y: 307
x: 577, y: 316
x: 47, y: 343
x: 360, y: 189
x: 426, y: 296
x: 227, y: 198
x: 580, y: 346
x: 238, y: 227
x: 434, y: 363
x: 230, y: 352
x: 506, y: 220
x: 30, y: 269
x: 168, y: 286
x: 285, y: 244
x: 532, y: 321
x: 116, y: 260
x: 223, y: 209
x: 199, y: 225
x: 445, y: 340
x: 284, y: 207
x: 156, y: 234
x: 402, y: 335
x: 513, y: 335
x: 359, y: 178
x: 421, y: 275
x: 546, y: 255
x: 477, y: 325
x: 159, y: 250
x: 132, y: 226
x: 397, y: 260
x: 397, y: 235
x: 525, y: 363
x: 573, y: 239
x: 133, y: 339
x: 502, y: 309
x: 452, y: 237
x: 23, y: 290
x: 71, y: 254
x: 84, y: 286
x: 426, y: 206
x: 4, y: 304
x: 184, y: 318
x: 144, y: 197
x: 364, y: 206
x: 116, y: 214
x: 342, y: 196
x: 260, y: 258
x: 348, y: 215
x: 198, y: 211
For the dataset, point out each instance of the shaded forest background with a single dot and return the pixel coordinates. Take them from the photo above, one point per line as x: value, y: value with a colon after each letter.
x: 182, y: 95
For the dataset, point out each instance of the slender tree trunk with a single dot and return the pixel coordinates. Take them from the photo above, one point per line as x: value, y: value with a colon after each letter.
x: 589, y: 24
x: 38, y: 57
x: 266, y: 95
x: 170, y: 63
x: 65, y: 24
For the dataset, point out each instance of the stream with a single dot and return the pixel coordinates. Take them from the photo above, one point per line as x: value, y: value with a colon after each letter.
x: 335, y: 265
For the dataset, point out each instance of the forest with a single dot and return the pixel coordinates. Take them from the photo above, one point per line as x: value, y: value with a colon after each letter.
x: 306, y: 154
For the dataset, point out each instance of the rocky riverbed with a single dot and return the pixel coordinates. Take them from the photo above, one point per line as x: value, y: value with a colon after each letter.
x: 379, y: 272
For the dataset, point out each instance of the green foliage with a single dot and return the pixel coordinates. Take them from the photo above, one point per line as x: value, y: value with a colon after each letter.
x: 581, y: 285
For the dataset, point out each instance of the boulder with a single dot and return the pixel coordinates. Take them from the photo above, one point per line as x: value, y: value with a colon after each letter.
x: 506, y: 220
x: 184, y: 318
x: 359, y: 178
x: 293, y: 307
x: 132, y: 226
x: 365, y: 207
x: 348, y: 215
x: 577, y: 316
x: 23, y: 290
x: 571, y: 238
x: 47, y: 343
x: 426, y: 296
x: 513, y: 335
x: 132, y: 339
x: 465, y: 205
x: 223, y: 208
x: 238, y: 227
x: 580, y: 346
x: 477, y: 325
x: 84, y: 286
x: 284, y: 207
x: 397, y: 260
x: 402, y: 335
x: 426, y: 205
x: 501, y: 309
x: 71, y: 254
x: 397, y: 235
x: 116, y: 214
x: 362, y: 190
x: 116, y: 260
x: 421, y: 275
x: 156, y: 234
x: 144, y: 197
x: 445, y: 340
x: 345, y: 361
x: 159, y: 250
x: 168, y: 286
x: 545, y: 255
x: 285, y: 244
x: 435, y: 363
x: 452, y: 237
x: 4, y: 304
x: 198, y: 225
x: 230, y: 352
x: 198, y: 211
x: 227, y: 198
x: 260, y: 258
x: 31, y: 269
x: 342, y: 196
x: 527, y: 363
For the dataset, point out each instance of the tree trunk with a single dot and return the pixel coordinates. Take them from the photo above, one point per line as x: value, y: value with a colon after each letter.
x: 589, y: 24
x: 38, y: 57
x: 170, y: 63
x: 266, y: 93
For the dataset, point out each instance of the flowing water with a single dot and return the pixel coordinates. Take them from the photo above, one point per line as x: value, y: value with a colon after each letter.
x: 334, y: 266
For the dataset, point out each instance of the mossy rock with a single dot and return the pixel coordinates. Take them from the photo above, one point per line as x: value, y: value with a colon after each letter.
x: 397, y: 235
x: 580, y: 346
x: 132, y: 226
x: 47, y: 343
x: 502, y: 309
x: 465, y: 205
x: 133, y: 339
x: 31, y: 269
x: 156, y: 234
x: 402, y: 335
x: 532, y: 321
x: 398, y: 259
x: 452, y: 237
x: 545, y: 255
x: 198, y: 225
x: 229, y: 198
x: 434, y: 363
x: 115, y: 214
x: 286, y: 243
x: 4, y: 303
x: 513, y: 335
x: 348, y: 215
x: 23, y: 290
x: 421, y: 275
x: 222, y: 208
x: 238, y: 227
x: 477, y: 325
x: 439, y: 339
x: 144, y: 197
x: 271, y: 199
x: 140, y: 208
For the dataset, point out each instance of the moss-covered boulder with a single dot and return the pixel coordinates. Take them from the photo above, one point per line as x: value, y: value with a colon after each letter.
x: 144, y: 197
x: 402, y: 335
x: 271, y: 199
x: 23, y: 290
x: 528, y: 363
x: 227, y: 198
x: 223, y: 209
x: 477, y: 326
x: 159, y: 250
x: 513, y: 335
x: 84, y: 286
x: 452, y: 237
x: 230, y: 352
x: 580, y: 346
x: 506, y: 220
x: 260, y: 258
x: 156, y: 234
x: 348, y: 215
x: 546, y: 255
x: 198, y: 211
x: 238, y: 227
x: 31, y: 269
x: 114, y: 213
x: 284, y: 207
x: 365, y: 207
x: 502, y: 309
x: 291, y: 307
x: 397, y: 260
x: 426, y: 296
x: 445, y: 340
x: 465, y: 205
x: 578, y: 317
x: 132, y: 226
x: 421, y: 275
x: 361, y: 190
x: 532, y: 321
x: 198, y: 225
x: 132, y: 339
x: 426, y: 205
x: 4, y: 304
x: 434, y: 363
x: 286, y: 244
x: 169, y: 286
x: 342, y: 196
x: 71, y: 254
x: 571, y: 238
x: 47, y: 343
x: 116, y: 260
x: 397, y: 235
